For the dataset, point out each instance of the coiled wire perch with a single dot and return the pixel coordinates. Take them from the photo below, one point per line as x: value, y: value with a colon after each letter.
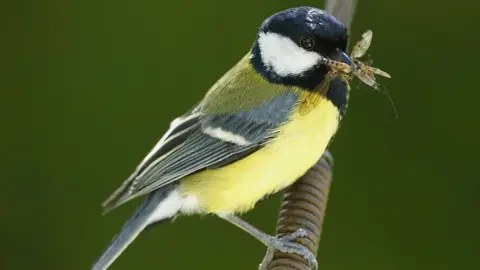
x: 304, y: 203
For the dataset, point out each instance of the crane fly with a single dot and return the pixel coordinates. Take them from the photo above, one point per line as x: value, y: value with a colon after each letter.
x: 361, y: 70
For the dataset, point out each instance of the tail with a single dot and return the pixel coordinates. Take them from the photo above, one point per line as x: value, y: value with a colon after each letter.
x: 159, y: 205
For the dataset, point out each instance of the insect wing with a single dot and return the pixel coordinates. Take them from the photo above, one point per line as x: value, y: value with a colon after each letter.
x: 362, y: 45
x: 380, y: 72
x: 366, y: 78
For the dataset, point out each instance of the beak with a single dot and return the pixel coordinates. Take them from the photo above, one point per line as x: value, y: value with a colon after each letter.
x: 342, y: 57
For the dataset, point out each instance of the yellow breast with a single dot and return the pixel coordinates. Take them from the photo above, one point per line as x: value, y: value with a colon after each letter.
x: 238, y: 186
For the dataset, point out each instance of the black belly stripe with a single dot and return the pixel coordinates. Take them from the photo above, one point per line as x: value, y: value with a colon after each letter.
x: 338, y: 94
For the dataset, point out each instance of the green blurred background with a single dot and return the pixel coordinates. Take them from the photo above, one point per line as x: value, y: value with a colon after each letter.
x: 87, y: 87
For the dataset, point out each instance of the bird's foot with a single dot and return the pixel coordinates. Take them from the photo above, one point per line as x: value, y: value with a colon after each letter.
x: 287, y: 244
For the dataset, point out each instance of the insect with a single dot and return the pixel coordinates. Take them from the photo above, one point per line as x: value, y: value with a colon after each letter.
x: 361, y: 70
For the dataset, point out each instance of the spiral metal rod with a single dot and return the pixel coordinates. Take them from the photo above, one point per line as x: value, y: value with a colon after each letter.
x: 303, y: 206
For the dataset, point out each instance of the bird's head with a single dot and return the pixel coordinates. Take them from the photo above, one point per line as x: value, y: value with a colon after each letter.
x: 291, y: 43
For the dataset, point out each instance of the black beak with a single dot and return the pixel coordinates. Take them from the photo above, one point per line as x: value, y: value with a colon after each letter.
x: 342, y: 57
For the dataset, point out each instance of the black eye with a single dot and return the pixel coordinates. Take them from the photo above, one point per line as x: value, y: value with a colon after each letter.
x: 307, y: 43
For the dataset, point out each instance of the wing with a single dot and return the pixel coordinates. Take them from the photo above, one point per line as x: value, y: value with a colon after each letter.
x: 238, y: 115
x: 201, y: 140
x: 380, y: 72
x: 361, y: 47
x: 365, y: 77
x: 342, y: 10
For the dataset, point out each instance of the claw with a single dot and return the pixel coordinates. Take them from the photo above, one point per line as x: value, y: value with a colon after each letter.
x: 286, y: 244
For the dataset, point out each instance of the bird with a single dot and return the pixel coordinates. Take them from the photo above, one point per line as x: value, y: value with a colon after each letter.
x: 260, y: 127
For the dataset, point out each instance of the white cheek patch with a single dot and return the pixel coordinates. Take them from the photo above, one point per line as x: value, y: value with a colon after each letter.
x: 283, y: 56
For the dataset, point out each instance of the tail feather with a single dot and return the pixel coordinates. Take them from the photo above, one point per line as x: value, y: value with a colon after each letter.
x: 151, y: 211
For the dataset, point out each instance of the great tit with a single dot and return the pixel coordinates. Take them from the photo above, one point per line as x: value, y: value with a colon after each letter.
x: 259, y: 128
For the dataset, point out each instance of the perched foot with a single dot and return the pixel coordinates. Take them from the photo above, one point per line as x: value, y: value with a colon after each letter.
x: 286, y: 244
x: 283, y: 244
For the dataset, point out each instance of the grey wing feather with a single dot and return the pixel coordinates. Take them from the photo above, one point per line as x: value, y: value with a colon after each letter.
x: 188, y: 148
x: 180, y: 129
x: 255, y: 124
x: 198, y: 152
